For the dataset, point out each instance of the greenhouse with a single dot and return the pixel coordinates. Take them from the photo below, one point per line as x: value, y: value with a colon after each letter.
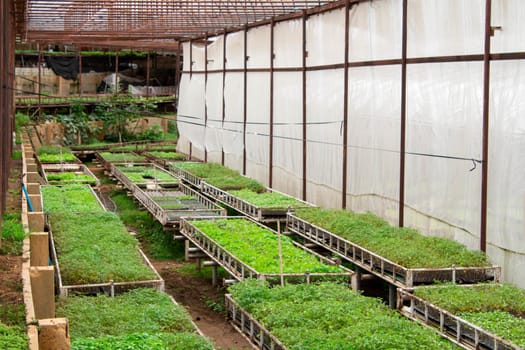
x: 262, y: 174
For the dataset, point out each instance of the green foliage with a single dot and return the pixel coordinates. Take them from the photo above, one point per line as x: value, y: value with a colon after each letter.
x: 21, y: 120
x: 501, y: 323
x: 12, y: 338
x: 141, y: 310
x: 258, y: 247
x: 16, y: 155
x: 122, y: 157
x: 220, y: 176
x: 55, y: 154
x: 96, y: 247
x: 13, y: 234
x: 151, y: 133
x: 69, y: 177
x: 70, y: 198
x: 141, y: 175
x: 330, y: 316
x: 159, y: 244
x: 167, y: 155
x: 77, y: 124
x: 478, y: 298
x: 119, y: 111
x: 177, y: 202
x: 144, y: 341
x: 268, y: 199
x: 404, y: 246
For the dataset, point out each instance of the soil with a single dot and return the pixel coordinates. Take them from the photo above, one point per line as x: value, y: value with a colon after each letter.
x: 200, y: 298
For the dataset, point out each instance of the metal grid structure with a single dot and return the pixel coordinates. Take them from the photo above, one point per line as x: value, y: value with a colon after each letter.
x: 142, y: 23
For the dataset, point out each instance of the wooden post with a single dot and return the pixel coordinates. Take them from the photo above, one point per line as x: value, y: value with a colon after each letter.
x: 392, y: 296
x: 43, y: 288
x: 36, y: 202
x: 36, y: 221
x: 39, y: 248
x: 54, y: 334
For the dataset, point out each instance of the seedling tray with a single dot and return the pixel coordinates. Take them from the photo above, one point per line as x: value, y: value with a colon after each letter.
x: 257, y: 213
x: 110, y: 287
x: 250, y: 328
x: 65, y: 168
x: 389, y: 271
x: 106, y: 163
x: 185, y: 175
x: 149, y: 184
x: 163, y: 162
x: 450, y: 326
x: 241, y: 270
x: 201, y: 206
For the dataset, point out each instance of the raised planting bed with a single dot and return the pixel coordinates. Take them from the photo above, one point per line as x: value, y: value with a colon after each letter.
x: 482, y: 316
x: 214, y: 174
x: 169, y: 206
x: 93, y: 252
x: 401, y: 256
x: 144, y: 147
x: 55, y: 154
x: 147, y: 176
x: 58, y: 174
x: 163, y: 158
x: 70, y: 198
x: 247, y: 249
x: 137, y: 320
x: 106, y: 158
x: 266, y: 206
x: 322, y: 316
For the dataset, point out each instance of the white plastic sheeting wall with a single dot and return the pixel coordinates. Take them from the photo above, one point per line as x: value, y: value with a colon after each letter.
x: 444, y: 114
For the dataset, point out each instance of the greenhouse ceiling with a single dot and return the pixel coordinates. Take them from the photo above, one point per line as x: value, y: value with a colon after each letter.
x: 144, y: 23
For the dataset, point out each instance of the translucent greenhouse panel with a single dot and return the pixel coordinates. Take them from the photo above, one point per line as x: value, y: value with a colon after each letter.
x: 214, y: 112
x: 509, y: 15
x: 198, y: 57
x: 215, y: 59
x: 506, y: 190
x: 233, y: 114
x: 288, y: 44
x: 258, y: 126
x: 259, y: 47
x: 288, y: 117
x: 373, y: 140
x: 186, y: 56
x: 445, y: 27
x: 190, y: 115
x: 320, y: 27
x: 443, y: 144
x: 375, y: 30
x: 325, y: 137
x: 235, y: 50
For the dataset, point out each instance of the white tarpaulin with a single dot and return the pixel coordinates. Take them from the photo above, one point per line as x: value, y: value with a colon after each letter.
x: 443, y: 113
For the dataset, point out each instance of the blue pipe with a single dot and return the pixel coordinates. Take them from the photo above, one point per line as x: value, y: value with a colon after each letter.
x: 27, y: 197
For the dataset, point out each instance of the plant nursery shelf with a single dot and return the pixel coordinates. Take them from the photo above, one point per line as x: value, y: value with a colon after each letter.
x: 67, y: 174
x: 133, y: 176
x: 109, y: 158
x: 450, y: 326
x: 199, y: 205
x: 389, y: 271
x: 239, y: 269
x: 244, y: 323
x: 258, y: 213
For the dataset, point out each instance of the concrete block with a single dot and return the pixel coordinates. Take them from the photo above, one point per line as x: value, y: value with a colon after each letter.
x: 33, y: 188
x: 54, y: 334
x: 33, y: 177
x: 36, y: 201
x: 39, y: 248
x: 43, y: 288
x: 36, y: 221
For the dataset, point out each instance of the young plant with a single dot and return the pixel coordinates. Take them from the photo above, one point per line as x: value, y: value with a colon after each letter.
x: 268, y: 199
x: 122, y: 157
x: 70, y: 198
x: 68, y: 177
x: 13, y: 234
x: 167, y: 155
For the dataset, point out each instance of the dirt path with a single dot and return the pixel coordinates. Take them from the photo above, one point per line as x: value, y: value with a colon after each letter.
x: 201, y: 298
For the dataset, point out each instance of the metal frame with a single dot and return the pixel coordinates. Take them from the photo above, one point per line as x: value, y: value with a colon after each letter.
x: 260, y: 214
x: 448, y: 325
x: 64, y: 168
x: 383, y: 268
x: 166, y: 216
x: 130, y: 185
x: 250, y: 328
x: 237, y: 268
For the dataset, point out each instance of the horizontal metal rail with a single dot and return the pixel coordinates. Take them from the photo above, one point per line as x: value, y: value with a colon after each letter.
x: 172, y: 216
x: 185, y: 175
x: 239, y: 269
x: 389, y: 271
x: 450, y: 326
x: 260, y: 214
x: 244, y: 323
